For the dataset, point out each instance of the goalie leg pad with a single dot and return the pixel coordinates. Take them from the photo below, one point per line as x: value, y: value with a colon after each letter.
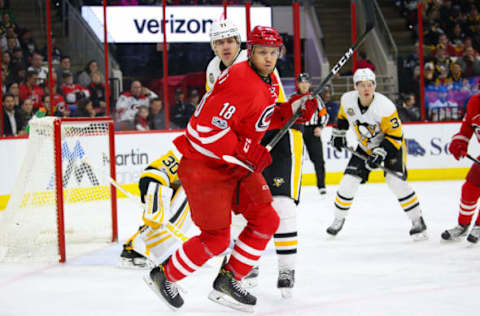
x: 468, y: 203
x: 157, y: 204
x: 406, y: 196
x: 286, y: 237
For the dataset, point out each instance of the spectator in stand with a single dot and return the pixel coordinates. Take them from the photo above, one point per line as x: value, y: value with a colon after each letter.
x: 25, y: 113
x: 6, y: 24
x: 408, y: 109
x: 429, y: 74
x: 13, y: 90
x: 97, y: 93
x: 194, y: 98
x: 457, y: 36
x: 364, y: 62
x: 330, y: 105
x: 467, y: 42
x: 56, y: 52
x: 128, y: 103
x: 5, y: 9
x: 65, y: 64
x: 469, y: 63
x: 11, y: 122
x: 441, y: 62
x: 84, y: 78
x: 85, y: 108
x: 432, y: 28
x: 28, y: 43
x: 157, y: 114
x: 473, y: 22
x: 456, y: 73
x: 37, y: 65
x: 60, y: 107
x: 9, y: 43
x: 141, y: 119
x: 73, y: 92
x: 17, y: 58
x: 181, y: 112
x: 45, y: 109
x: 443, y: 41
x: 31, y: 89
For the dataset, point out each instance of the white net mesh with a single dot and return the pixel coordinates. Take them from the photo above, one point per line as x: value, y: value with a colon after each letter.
x: 28, y: 227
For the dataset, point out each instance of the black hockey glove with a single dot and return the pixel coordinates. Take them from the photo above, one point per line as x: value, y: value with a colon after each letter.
x: 339, y: 140
x: 376, y: 158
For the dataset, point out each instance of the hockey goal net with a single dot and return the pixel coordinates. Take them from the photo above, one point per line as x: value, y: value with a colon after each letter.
x: 62, y: 201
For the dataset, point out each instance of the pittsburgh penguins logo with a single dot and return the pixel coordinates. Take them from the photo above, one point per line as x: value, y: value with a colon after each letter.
x: 366, y: 131
x: 277, y: 181
x: 265, y: 119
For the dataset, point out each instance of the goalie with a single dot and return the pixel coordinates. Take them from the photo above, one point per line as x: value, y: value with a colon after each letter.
x: 375, y: 122
x: 164, y: 200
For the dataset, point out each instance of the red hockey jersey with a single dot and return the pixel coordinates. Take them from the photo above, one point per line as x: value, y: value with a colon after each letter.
x: 471, y: 121
x: 240, y: 105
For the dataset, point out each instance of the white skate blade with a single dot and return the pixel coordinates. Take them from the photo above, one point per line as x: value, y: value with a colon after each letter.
x: 286, y: 292
x: 250, y: 283
x: 155, y: 290
x: 223, y: 299
x: 125, y: 263
x: 420, y: 236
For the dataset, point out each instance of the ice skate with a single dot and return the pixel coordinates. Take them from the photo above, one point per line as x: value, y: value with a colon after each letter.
x: 286, y: 281
x: 419, y: 229
x: 166, y: 290
x: 474, y: 234
x: 251, y: 279
x: 336, y: 226
x: 229, y: 292
x: 455, y: 233
x: 131, y: 259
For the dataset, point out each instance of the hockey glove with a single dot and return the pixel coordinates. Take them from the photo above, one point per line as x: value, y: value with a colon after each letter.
x: 307, y: 104
x: 339, y: 139
x: 376, y: 158
x: 157, y: 205
x: 458, y: 146
x: 253, y: 154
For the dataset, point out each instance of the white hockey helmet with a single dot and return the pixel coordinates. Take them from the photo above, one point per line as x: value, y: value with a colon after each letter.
x: 364, y: 74
x: 223, y: 29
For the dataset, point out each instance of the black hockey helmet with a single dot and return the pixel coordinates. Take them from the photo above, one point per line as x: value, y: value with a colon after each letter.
x: 303, y: 77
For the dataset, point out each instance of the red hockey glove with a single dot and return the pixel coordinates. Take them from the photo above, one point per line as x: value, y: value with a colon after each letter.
x: 307, y: 104
x: 458, y: 146
x: 253, y: 154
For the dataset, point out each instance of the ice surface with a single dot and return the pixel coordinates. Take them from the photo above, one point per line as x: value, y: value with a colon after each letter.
x: 371, y: 268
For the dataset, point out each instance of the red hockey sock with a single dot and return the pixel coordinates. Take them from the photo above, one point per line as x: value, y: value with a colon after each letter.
x: 468, y: 203
x: 262, y: 224
x: 195, y: 252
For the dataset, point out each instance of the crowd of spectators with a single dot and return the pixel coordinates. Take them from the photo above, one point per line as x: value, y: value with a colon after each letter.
x: 451, y: 42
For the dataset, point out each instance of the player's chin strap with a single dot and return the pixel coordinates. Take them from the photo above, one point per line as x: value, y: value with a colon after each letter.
x: 171, y: 228
x: 400, y: 176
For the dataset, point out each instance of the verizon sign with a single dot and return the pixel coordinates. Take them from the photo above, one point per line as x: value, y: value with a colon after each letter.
x: 143, y: 24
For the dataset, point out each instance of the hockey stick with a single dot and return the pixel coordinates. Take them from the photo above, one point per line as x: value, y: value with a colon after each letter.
x: 171, y: 228
x: 370, y: 23
x: 386, y: 170
x: 475, y: 160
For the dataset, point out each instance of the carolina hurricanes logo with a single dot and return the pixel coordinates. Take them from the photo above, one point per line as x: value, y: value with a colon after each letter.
x: 476, y: 129
x: 265, y: 119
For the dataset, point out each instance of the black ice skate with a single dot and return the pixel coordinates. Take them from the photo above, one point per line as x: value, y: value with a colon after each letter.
x: 336, y: 226
x: 229, y: 292
x: 286, y: 281
x: 129, y: 258
x: 455, y: 233
x: 419, y: 229
x: 166, y: 290
x: 251, y: 279
x: 474, y: 234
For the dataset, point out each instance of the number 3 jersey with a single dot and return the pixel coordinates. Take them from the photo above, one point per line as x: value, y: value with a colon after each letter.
x: 375, y: 125
x: 241, y: 104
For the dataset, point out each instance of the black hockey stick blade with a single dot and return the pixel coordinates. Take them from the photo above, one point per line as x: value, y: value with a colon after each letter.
x: 370, y: 23
x: 386, y: 170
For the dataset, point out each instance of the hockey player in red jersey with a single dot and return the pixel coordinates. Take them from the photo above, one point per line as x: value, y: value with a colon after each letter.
x: 471, y: 188
x: 230, y: 121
